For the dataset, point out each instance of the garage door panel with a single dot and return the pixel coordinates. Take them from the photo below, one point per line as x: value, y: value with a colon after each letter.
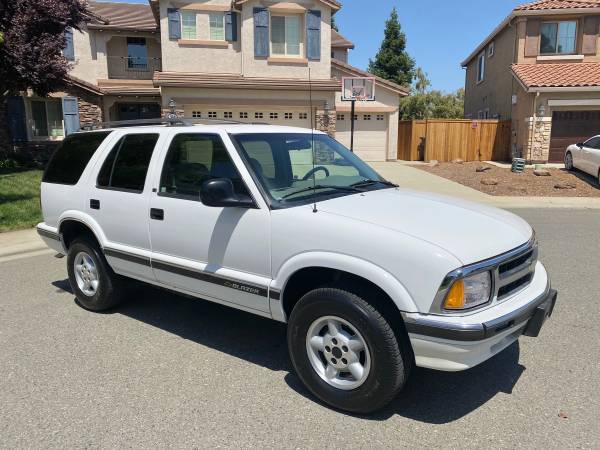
x: 571, y: 127
x: 370, y: 137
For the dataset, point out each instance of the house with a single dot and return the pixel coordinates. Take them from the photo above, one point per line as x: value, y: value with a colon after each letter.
x: 245, y: 60
x: 540, y: 68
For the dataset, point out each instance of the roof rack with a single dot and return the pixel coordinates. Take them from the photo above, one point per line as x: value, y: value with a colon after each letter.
x: 171, y: 122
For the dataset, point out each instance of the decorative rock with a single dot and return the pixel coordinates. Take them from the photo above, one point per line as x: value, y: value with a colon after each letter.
x: 565, y: 185
x: 458, y: 161
x: 489, y: 182
x: 541, y: 173
x: 481, y: 169
x: 434, y: 163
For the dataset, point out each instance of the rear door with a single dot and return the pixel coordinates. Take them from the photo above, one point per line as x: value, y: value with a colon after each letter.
x: 119, y: 201
x: 220, y: 253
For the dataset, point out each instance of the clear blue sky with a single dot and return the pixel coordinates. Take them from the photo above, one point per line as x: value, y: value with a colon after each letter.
x: 440, y: 33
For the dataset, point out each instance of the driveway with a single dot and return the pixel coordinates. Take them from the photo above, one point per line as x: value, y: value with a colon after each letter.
x: 169, y: 371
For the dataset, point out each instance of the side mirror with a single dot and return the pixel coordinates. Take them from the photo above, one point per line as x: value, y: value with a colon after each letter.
x: 580, y: 144
x: 220, y: 193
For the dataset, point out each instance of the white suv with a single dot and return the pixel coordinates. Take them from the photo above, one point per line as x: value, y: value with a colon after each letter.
x: 280, y: 222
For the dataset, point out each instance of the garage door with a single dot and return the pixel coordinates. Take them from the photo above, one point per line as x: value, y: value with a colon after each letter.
x: 571, y: 127
x: 370, y: 135
x: 291, y: 117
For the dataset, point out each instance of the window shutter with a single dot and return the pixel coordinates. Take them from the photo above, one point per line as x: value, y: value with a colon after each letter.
x: 70, y: 109
x: 590, y: 35
x: 15, y: 108
x: 532, y: 37
x: 313, y: 35
x: 174, y: 23
x: 231, y: 26
x: 69, y: 50
x: 261, y: 32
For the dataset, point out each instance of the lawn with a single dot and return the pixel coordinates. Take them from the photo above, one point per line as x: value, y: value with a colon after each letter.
x: 19, y: 199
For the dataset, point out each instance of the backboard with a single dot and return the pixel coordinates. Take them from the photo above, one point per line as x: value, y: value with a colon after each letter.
x: 358, y: 88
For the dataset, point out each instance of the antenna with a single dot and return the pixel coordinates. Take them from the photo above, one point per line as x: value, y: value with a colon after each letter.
x: 312, y: 143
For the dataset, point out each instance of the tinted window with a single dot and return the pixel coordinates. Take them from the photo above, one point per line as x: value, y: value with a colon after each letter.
x: 193, y: 159
x: 593, y: 143
x: 127, y: 165
x: 71, y: 158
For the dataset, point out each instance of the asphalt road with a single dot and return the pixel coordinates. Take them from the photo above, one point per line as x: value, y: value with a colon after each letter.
x: 169, y: 371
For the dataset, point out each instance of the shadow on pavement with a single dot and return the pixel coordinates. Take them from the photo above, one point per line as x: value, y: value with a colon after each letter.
x: 429, y: 396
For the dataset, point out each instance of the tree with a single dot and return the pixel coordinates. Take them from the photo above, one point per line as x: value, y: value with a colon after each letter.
x: 33, y: 34
x: 422, y: 83
x: 425, y: 104
x: 333, y: 24
x: 393, y: 62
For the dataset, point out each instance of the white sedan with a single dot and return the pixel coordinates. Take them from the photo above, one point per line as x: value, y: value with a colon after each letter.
x: 585, y: 156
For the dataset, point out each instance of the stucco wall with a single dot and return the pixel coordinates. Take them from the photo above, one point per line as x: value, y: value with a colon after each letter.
x: 494, y: 92
x: 340, y: 54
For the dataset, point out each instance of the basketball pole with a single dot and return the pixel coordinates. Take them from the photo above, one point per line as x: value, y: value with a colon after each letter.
x: 352, y: 125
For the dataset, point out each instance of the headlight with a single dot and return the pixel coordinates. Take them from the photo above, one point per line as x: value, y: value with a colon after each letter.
x: 469, y: 292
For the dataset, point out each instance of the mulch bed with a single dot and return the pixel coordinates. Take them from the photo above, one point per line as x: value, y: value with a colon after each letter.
x: 524, y: 184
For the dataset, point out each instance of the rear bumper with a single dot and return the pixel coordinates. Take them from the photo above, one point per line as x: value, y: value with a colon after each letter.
x: 51, y: 237
x: 455, y: 346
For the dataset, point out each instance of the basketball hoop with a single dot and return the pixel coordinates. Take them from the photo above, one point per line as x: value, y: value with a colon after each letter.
x: 357, y: 89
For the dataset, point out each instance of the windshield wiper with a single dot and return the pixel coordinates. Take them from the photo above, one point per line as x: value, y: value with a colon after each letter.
x: 322, y: 186
x: 369, y: 182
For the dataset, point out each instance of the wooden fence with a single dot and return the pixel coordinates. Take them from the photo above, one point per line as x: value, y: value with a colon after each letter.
x: 446, y: 140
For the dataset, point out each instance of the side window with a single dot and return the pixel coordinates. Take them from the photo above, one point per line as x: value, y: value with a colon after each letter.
x: 71, y: 158
x: 127, y: 164
x: 593, y: 143
x: 193, y: 159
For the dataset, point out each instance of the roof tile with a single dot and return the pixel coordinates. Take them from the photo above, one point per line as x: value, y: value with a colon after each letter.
x: 123, y: 16
x: 558, y: 4
x: 558, y: 75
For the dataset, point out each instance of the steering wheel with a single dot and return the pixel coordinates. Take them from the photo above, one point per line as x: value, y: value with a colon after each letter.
x: 314, y: 170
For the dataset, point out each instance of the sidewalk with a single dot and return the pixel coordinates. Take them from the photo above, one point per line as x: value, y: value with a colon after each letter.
x: 18, y: 244
x: 412, y: 178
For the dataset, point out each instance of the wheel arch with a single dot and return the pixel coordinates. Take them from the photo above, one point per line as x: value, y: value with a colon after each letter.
x: 74, y: 223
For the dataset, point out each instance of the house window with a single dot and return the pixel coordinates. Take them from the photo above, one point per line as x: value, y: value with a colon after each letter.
x: 258, y: 115
x: 188, y: 25
x: 481, y: 67
x: 47, y: 118
x: 273, y: 116
x: 212, y: 114
x: 217, y: 26
x: 137, y: 53
x: 228, y: 115
x: 303, y: 116
x: 380, y: 117
x: 558, y: 37
x: 491, y: 49
x: 341, y: 117
x: 367, y: 117
x: 243, y: 115
x: 285, y: 35
x: 288, y: 116
x: 196, y: 115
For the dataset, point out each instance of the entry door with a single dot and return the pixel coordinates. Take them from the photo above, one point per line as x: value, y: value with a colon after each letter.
x: 220, y: 253
x: 119, y: 203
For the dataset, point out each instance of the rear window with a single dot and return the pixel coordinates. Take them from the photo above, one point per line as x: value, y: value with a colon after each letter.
x: 126, y: 166
x: 70, y: 159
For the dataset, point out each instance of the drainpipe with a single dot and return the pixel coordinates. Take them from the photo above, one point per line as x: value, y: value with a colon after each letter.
x: 533, y: 122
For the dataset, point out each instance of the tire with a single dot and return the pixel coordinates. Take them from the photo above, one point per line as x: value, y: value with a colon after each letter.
x: 569, y: 161
x: 94, y: 283
x: 384, y: 370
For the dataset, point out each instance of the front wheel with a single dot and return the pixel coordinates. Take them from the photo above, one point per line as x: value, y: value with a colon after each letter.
x: 345, y: 351
x: 569, y: 161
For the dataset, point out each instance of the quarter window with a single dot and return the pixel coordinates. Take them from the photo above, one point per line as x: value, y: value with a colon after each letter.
x: 481, y: 67
x: 558, y: 37
x: 217, y: 26
x: 285, y: 35
x: 188, y: 25
x: 193, y: 159
x: 126, y: 166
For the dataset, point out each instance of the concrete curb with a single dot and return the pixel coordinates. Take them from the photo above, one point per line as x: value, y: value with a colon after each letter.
x: 15, y: 244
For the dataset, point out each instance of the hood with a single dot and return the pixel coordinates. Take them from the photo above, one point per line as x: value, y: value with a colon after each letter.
x: 470, y: 231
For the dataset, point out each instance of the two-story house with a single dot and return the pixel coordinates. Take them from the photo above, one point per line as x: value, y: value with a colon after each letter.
x: 244, y: 60
x: 540, y: 68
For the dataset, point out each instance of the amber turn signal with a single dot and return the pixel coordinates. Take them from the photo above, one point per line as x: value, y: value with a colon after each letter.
x: 456, y: 296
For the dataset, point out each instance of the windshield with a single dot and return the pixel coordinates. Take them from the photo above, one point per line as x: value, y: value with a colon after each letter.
x: 283, y: 163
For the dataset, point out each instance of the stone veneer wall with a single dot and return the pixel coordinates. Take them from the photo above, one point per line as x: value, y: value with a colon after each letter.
x: 537, y: 148
x: 326, y: 121
x: 90, y: 105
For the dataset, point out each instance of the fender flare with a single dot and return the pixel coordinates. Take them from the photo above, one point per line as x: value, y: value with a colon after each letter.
x: 86, y: 220
x: 346, y: 263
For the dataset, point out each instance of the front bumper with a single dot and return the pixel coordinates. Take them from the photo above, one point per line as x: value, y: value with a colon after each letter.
x: 454, y: 344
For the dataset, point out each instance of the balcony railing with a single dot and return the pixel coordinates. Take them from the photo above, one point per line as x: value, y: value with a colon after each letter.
x: 127, y: 68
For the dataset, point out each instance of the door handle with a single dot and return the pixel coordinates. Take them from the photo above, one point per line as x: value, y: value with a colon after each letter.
x: 94, y: 204
x: 157, y: 214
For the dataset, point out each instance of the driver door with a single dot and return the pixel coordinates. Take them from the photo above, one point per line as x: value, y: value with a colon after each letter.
x: 586, y: 155
x: 220, y: 253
